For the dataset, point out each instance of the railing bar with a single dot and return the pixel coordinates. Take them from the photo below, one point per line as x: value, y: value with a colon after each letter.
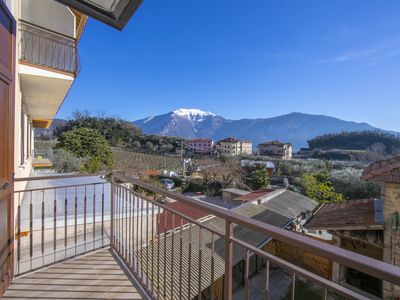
x: 266, y: 290
x: 42, y: 237
x: 246, y: 276
x: 55, y: 224
x: 76, y: 218
x: 293, y: 285
x: 53, y: 187
x: 147, y: 241
x: 19, y: 233
x: 172, y: 256
x: 30, y: 230
x: 165, y: 256
x: 158, y: 253
x: 141, y: 238
x: 102, y: 215
x: 212, y: 290
x: 112, y: 191
x: 152, y: 249
x: 325, y: 295
x: 180, y: 257
x: 119, y: 219
x: 84, y: 217
x: 123, y: 192
x: 137, y: 234
x: 94, y: 216
x: 65, y: 221
x: 130, y: 230
x: 190, y: 263
x: 199, y: 289
x: 228, y: 260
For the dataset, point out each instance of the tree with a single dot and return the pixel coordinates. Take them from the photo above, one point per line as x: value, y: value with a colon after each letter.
x: 90, y: 144
x: 318, y: 188
x: 260, y: 178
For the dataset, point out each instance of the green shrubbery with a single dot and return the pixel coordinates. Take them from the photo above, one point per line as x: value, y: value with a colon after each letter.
x: 90, y: 145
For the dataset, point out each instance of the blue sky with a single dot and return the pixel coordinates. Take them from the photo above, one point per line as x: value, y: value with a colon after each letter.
x: 246, y: 59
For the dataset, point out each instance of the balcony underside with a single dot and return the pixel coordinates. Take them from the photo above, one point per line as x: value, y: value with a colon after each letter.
x: 97, y: 275
x: 43, y: 92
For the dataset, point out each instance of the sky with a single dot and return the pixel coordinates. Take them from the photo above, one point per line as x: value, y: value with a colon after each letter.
x: 245, y: 59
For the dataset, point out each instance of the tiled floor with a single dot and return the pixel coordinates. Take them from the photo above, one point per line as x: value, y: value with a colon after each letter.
x: 94, y: 276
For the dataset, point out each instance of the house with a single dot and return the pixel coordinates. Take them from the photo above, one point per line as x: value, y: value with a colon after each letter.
x: 234, y: 147
x: 276, y: 149
x: 357, y: 226
x: 201, y: 145
x: 369, y: 227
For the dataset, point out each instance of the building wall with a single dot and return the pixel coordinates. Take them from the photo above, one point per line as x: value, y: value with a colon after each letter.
x: 283, y: 151
x: 300, y: 257
x: 235, y: 148
x: 391, y: 252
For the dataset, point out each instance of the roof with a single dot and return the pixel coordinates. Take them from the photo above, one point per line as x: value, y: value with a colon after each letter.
x: 366, y: 214
x: 387, y: 170
x: 182, y: 250
x: 252, y: 196
x: 275, y: 143
x: 229, y: 140
x: 235, y: 191
x: 185, y: 209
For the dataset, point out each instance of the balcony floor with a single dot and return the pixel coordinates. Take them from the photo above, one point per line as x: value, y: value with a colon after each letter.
x: 97, y: 275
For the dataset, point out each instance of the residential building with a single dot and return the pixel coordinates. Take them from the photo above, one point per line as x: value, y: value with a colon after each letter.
x: 201, y: 145
x: 73, y: 232
x: 355, y: 225
x: 234, y: 147
x: 276, y: 149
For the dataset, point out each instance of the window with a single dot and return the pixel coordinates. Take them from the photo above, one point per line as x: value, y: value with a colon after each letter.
x: 22, y: 138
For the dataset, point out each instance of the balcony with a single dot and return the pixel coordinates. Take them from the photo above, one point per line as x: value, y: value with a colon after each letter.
x: 47, y: 49
x: 82, y: 220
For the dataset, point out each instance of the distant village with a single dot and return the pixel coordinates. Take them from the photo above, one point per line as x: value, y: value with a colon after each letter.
x: 235, y: 147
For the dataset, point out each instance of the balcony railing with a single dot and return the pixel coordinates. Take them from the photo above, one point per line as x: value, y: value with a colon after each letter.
x: 45, y: 48
x: 172, y: 255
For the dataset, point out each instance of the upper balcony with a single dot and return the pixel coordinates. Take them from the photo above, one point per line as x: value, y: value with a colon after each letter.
x: 168, y: 253
x: 47, y: 49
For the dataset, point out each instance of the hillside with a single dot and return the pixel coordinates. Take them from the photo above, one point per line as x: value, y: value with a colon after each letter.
x: 296, y: 128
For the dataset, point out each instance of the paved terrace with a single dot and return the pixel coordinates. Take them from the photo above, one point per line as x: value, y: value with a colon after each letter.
x: 97, y: 275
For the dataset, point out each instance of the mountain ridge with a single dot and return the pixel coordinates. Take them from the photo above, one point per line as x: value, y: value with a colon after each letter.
x: 296, y: 127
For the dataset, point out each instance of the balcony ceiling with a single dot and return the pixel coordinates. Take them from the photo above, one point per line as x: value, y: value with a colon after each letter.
x: 115, y: 13
x: 43, y: 93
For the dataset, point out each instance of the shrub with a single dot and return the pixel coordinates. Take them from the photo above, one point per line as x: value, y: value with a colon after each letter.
x: 318, y: 188
x: 66, y: 162
x: 349, y: 183
x: 90, y: 144
x: 194, y: 187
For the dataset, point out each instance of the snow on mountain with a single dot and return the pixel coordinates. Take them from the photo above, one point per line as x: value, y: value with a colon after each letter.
x: 192, y: 114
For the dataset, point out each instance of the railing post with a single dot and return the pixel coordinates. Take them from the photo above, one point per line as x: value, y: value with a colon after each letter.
x: 228, y: 260
x: 112, y: 241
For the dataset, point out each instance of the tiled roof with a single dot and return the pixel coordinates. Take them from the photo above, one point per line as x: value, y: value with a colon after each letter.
x: 184, y: 209
x: 363, y: 214
x: 384, y: 171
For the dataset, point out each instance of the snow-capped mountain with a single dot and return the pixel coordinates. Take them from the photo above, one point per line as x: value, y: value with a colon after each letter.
x: 183, y: 122
x: 295, y: 128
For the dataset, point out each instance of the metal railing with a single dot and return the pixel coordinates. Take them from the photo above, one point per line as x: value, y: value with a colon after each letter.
x: 172, y: 255
x: 45, y: 48
x: 58, y: 218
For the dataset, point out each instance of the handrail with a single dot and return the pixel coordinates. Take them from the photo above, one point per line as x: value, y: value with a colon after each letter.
x: 373, y: 267
x: 33, y: 178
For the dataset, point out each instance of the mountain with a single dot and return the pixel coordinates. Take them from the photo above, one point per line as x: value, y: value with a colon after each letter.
x: 296, y: 128
x: 45, y: 133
